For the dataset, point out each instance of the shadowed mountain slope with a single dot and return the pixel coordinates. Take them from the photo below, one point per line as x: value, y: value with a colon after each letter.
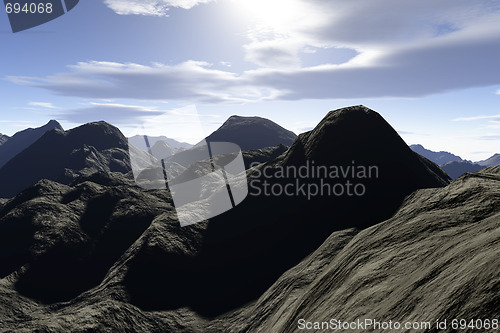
x: 436, y: 258
x: 64, y: 155
x: 456, y: 169
x: 263, y: 155
x: 23, y: 139
x: 252, y: 133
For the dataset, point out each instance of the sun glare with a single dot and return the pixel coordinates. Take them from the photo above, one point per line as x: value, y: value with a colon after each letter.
x: 277, y: 14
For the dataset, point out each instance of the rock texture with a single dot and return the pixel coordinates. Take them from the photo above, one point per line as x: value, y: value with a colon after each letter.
x: 217, y: 279
x: 103, y: 255
x: 436, y: 258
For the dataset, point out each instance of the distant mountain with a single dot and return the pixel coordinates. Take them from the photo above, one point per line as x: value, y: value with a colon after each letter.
x: 22, y: 140
x: 139, y: 142
x: 456, y: 169
x: 440, y: 158
x: 65, y: 155
x: 162, y: 150
x: 252, y: 133
x: 3, y: 138
x: 492, y: 161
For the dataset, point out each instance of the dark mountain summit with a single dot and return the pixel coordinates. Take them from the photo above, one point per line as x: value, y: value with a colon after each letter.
x: 23, y: 139
x: 65, y: 155
x: 440, y: 158
x: 252, y: 133
x: 361, y: 136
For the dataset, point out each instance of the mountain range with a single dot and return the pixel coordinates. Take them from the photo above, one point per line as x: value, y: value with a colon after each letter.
x: 440, y: 158
x: 94, y: 252
x: 139, y: 142
x: 454, y: 165
x: 65, y: 155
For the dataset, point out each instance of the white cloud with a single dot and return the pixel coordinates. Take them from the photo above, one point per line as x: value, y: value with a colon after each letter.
x: 405, y: 49
x: 44, y: 105
x: 114, y: 113
x: 150, y: 7
x: 495, y: 118
x: 191, y: 80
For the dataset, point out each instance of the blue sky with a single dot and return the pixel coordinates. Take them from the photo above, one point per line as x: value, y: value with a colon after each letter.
x: 429, y: 67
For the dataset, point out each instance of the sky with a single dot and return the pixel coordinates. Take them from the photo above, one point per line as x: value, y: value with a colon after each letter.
x: 430, y: 68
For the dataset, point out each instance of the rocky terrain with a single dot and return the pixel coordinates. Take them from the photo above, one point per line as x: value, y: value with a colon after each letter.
x: 65, y: 155
x: 101, y: 254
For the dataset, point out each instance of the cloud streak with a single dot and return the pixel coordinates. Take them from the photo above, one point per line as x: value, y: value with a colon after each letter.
x: 44, y: 105
x: 150, y: 7
x: 495, y: 118
x: 121, y: 114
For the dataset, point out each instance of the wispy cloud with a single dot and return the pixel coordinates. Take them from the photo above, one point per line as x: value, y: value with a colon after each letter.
x: 111, y: 112
x: 190, y: 80
x: 44, y: 105
x: 490, y: 137
x: 495, y: 118
x: 150, y: 7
